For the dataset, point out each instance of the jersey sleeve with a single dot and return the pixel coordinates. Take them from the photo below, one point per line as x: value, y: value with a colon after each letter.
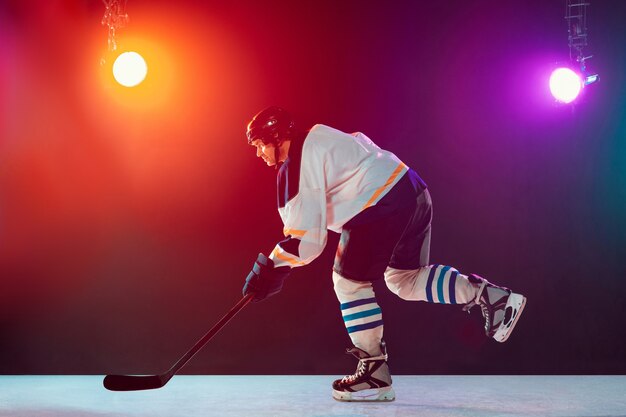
x: 304, y: 215
x: 304, y: 218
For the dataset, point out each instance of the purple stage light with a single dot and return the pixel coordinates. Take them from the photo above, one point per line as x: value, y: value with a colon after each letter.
x: 565, y: 85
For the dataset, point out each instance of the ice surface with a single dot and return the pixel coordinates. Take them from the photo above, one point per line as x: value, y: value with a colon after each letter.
x: 309, y: 396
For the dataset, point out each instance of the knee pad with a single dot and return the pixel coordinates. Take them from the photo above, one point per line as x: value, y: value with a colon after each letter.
x: 348, y: 288
x: 399, y: 279
x: 407, y: 284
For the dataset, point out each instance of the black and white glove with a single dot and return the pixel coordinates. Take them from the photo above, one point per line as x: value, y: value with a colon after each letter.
x: 264, y: 280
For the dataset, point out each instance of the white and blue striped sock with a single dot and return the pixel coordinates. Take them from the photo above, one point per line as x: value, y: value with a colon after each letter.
x: 433, y: 283
x: 361, y: 313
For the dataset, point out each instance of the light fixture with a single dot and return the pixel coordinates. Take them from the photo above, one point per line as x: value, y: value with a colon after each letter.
x: 130, y: 69
x: 566, y: 83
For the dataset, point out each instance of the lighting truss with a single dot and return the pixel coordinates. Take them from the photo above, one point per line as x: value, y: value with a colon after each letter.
x: 576, y: 17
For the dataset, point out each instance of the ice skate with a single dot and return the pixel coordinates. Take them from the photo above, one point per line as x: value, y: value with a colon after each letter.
x: 370, y: 382
x: 500, y: 307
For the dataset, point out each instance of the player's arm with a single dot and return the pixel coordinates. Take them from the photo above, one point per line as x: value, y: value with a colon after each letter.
x: 305, y: 230
x: 305, y: 239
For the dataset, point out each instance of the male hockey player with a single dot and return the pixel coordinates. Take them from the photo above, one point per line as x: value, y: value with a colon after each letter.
x: 330, y: 180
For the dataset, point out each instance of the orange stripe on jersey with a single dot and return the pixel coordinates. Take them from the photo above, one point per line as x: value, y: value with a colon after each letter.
x: 294, y: 232
x: 285, y: 258
x: 390, y: 181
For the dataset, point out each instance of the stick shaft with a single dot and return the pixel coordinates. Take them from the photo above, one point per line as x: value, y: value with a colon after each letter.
x: 209, y: 335
x: 144, y: 382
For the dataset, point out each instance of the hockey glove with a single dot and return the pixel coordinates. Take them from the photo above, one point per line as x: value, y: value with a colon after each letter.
x: 264, y: 280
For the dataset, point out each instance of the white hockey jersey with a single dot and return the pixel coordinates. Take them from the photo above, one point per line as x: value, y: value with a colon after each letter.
x: 339, y: 176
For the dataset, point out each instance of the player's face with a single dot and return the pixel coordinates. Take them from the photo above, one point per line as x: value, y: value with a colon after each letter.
x: 265, y: 151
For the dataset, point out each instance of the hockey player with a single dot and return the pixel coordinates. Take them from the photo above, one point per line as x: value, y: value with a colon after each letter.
x: 331, y: 180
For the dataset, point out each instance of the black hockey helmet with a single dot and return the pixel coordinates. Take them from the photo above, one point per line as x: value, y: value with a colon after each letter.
x: 272, y: 125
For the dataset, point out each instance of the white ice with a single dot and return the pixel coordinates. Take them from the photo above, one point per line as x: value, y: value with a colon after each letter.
x: 309, y: 396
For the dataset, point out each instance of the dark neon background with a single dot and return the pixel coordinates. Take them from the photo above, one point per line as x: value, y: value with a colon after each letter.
x: 130, y: 217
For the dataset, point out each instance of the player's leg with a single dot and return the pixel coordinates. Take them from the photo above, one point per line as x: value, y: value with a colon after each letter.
x: 410, y: 276
x: 363, y: 320
x: 362, y: 257
x: 500, y: 306
x: 361, y: 313
x: 433, y: 283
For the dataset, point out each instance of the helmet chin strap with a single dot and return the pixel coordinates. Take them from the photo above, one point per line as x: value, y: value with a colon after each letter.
x: 276, y: 155
x: 277, y: 150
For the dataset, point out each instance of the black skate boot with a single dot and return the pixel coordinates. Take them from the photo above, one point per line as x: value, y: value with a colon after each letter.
x: 370, y: 382
x: 500, y: 306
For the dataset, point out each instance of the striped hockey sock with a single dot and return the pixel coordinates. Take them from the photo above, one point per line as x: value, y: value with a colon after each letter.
x: 434, y: 283
x: 361, y: 313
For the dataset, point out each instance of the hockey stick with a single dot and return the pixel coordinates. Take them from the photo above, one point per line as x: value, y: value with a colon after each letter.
x: 143, y: 382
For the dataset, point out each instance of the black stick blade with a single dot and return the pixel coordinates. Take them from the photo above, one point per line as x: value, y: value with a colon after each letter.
x: 132, y: 382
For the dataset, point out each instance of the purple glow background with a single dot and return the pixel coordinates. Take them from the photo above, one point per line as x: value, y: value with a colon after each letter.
x: 527, y: 193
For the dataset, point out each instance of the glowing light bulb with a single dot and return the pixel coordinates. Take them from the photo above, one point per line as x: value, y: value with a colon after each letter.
x: 130, y: 69
x: 565, y: 85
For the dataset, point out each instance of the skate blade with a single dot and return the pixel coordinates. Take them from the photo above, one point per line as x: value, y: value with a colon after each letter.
x: 516, y: 302
x: 385, y: 394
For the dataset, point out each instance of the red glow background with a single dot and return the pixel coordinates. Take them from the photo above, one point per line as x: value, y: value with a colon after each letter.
x: 130, y: 217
